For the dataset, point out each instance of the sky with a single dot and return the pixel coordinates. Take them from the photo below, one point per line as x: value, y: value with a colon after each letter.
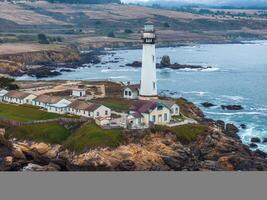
x: 208, y: 2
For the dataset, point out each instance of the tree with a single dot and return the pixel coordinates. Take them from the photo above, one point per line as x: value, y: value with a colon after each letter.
x: 166, y: 24
x: 111, y: 34
x: 128, y: 31
x: 42, y: 39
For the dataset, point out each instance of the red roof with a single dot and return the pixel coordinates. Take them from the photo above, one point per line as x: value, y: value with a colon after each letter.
x: 134, y: 87
x: 143, y: 106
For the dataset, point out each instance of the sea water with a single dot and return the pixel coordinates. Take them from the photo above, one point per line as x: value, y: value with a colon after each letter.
x: 238, y: 76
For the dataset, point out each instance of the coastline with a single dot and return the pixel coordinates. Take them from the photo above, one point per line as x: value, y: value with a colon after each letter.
x: 218, y: 148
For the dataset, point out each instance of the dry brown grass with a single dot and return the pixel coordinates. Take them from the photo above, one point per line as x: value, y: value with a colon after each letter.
x: 20, y: 15
x: 13, y: 48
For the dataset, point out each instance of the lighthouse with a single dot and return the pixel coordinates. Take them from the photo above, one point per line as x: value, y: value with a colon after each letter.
x: 148, y: 88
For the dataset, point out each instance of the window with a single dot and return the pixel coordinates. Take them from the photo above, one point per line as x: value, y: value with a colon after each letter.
x: 106, y: 112
x: 154, y: 85
x: 154, y: 118
x: 130, y: 93
x: 165, y: 117
x: 126, y: 93
x: 97, y: 114
x: 84, y: 112
x: 160, y: 107
x: 176, y: 110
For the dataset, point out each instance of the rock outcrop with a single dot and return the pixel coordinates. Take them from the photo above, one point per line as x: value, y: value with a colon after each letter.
x: 232, y: 107
x: 218, y: 149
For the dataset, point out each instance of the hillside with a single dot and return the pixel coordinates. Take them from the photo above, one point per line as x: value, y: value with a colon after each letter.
x: 87, y: 25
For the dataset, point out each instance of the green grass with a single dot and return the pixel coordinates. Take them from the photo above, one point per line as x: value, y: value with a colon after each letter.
x: 179, y: 117
x: 116, y: 104
x: 186, y: 133
x: 52, y: 133
x: 24, y: 113
x: 92, y: 136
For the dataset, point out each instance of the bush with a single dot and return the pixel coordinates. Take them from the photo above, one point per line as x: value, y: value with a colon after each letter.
x: 166, y: 24
x: 98, y: 22
x: 42, y: 39
x: 128, y: 31
x: 111, y: 34
x: 7, y: 83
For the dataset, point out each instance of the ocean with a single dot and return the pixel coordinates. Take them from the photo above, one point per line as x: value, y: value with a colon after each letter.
x: 238, y: 76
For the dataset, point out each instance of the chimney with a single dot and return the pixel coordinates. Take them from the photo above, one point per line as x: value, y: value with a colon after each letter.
x: 128, y: 83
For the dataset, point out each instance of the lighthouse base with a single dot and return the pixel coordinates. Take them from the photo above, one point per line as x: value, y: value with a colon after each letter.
x: 147, y: 97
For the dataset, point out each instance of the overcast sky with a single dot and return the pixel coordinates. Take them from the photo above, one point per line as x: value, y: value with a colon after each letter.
x: 205, y: 1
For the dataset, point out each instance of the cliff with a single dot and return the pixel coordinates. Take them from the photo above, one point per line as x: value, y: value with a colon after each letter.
x: 217, y: 149
x: 37, y: 57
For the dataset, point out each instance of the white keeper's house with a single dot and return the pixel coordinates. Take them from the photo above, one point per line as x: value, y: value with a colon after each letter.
x: 145, y: 113
x: 18, y: 97
x: 88, y: 109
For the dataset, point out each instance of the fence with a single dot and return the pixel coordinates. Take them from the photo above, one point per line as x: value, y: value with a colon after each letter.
x: 10, y: 122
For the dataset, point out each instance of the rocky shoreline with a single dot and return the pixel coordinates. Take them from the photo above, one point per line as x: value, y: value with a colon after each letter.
x: 46, y: 63
x: 219, y: 149
x: 166, y: 63
x: 52, y: 63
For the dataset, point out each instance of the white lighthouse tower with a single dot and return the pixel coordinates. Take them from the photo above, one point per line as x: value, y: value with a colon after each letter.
x: 148, y: 88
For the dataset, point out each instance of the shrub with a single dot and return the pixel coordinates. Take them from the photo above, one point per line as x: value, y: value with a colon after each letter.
x: 111, y: 34
x: 42, y: 39
x: 128, y: 31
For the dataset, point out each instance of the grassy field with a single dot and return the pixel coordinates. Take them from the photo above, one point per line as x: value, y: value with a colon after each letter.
x: 24, y: 113
x: 185, y: 133
x: 91, y: 136
x: 49, y: 132
x: 116, y: 104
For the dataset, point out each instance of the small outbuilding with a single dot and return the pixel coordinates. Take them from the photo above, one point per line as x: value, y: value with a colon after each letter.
x: 88, y: 109
x: 78, y: 92
x: 51, y: 103
x: 18, y: 97
x: 131, y: 91
x: 3, y: 92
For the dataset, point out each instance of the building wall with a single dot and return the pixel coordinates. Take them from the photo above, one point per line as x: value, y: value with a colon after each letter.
x: 158, y: 120
x: 175, y: 110
x: 160, y: 116
x: 27, y: 100
x: 133, y: 94
x: 83, y: 113
x: 102, y: 111
x: 78, y: 93
x: 57, y: 110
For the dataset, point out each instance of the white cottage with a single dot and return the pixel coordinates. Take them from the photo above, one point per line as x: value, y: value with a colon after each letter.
x: 18, y: 97
x: 53, y: 104
x: 78, y: 92
x: 131, y: 91
x: 2, y: 94
x: 88, y: 109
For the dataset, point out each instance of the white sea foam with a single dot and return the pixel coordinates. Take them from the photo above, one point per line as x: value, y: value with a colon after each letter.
x: 237, y: 113
x: 118, y: 77
x: 234, y: 98
x: 210, y: 69
x: 119, y: 70
x: 198, y: 93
